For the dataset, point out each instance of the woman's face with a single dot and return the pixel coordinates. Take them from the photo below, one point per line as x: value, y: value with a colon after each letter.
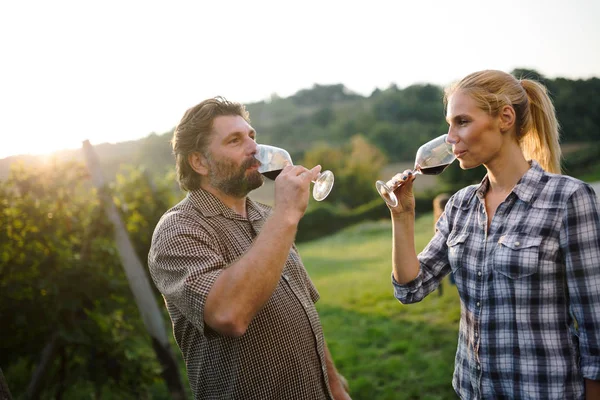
x: 475, y: 135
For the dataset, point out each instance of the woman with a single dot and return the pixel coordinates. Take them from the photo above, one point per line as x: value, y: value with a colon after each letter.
x: 523, y: 246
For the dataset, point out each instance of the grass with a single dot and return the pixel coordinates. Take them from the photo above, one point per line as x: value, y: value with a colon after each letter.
x: 385, y: 349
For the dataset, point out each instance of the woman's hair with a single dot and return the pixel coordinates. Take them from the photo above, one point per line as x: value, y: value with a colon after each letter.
x: 536, y: 123
x: 193, y: 133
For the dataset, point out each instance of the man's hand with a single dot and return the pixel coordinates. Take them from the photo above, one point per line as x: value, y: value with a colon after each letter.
x: 292, y: 191
x: 339, y: 387
x: 344, y: 382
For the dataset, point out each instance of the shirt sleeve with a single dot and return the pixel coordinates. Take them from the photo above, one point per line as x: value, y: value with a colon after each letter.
x: 433, y: 264
x: 184, y: 264
x: 580, y: 243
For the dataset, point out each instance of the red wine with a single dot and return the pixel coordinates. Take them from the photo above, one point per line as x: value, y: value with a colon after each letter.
x: 272, y: 174
x: 436, y: 170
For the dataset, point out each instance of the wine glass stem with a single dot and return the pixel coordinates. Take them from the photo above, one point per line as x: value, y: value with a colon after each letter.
x: 395, y: 183
x: 317, y: 178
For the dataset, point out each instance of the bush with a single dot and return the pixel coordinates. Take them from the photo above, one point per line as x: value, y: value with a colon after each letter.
x: 327, y: 219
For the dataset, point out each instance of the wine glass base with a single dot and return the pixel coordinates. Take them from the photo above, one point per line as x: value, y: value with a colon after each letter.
x: 386, y: 193
x: 323, y: 185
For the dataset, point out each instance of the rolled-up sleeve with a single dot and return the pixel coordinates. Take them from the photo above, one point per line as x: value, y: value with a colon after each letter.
x: 580, y: 242
x: 184, y: 265
x: 433, y: 264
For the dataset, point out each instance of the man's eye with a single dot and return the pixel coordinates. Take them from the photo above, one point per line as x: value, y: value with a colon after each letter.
x: 235, y: 140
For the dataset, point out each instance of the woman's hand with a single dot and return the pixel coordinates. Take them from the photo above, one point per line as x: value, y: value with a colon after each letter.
x: 404, y: 193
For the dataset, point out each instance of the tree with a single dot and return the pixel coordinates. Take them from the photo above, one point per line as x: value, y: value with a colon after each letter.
x: 62, y: 288
x: 354, y: 166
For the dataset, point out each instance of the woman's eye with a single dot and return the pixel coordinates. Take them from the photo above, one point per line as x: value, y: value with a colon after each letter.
x: 463, y: 122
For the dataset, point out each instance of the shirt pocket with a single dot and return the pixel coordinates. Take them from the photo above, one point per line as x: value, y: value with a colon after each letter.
x: 517, y: 255
x: 457, y: 250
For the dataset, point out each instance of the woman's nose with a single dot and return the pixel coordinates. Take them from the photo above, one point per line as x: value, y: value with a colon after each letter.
x: 451, y: 138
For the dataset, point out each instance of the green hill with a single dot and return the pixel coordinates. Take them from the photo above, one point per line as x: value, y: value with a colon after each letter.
x: 395, y: 120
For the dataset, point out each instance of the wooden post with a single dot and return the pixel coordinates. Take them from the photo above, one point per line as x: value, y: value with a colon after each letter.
x: 34, y: 389
x: 4, y: 392
x: 138, y: 280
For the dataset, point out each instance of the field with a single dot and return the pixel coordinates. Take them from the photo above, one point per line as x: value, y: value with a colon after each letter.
x: 385, y: 349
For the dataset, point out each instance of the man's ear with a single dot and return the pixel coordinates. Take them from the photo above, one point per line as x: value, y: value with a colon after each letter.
x: 507, y: 117
x: 198, y: 163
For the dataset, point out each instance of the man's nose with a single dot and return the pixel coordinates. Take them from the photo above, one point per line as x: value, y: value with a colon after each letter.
x: 252, y: 146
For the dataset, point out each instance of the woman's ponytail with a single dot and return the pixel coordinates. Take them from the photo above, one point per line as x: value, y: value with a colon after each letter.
x: 539, y: 136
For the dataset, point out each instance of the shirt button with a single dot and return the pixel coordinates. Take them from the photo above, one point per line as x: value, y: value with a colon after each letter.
x: 285, y: 277
x: 476, y: 334
x: 478, y: 304
x: 478, y: 367
x: 478, y: 273
x: 517, y: 244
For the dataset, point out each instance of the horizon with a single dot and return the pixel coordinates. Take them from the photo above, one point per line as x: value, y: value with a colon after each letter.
x: 101, y: 143
x: 116, y: 72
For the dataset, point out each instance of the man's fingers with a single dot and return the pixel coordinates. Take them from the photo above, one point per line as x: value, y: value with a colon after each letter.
x: 314, y: 172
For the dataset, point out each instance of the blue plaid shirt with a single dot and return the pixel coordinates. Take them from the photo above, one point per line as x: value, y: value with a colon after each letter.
x: 529, y: 287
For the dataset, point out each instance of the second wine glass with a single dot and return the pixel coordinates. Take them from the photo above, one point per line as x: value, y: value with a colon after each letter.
x: 432, y: 159
x: 272, y: 161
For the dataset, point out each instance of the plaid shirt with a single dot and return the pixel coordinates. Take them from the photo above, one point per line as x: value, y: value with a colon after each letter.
x: 282, y: 353
x: 529, y: 288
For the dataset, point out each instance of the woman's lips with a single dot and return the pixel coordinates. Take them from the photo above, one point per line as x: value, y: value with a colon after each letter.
x: 459, y: 154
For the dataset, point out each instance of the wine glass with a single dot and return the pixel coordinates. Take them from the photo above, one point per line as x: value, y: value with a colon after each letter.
x: 274, y: 159
x: 432, y: 158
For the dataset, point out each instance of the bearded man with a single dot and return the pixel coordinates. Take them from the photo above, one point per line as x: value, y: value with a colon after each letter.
x: 240, y: 300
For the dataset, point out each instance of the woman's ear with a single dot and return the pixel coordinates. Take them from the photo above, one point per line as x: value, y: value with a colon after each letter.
x: 198, y: 163
x: 507, y: 117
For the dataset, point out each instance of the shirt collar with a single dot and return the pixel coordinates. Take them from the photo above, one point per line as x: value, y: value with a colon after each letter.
x: 209, y: 206
x: 526, y: 187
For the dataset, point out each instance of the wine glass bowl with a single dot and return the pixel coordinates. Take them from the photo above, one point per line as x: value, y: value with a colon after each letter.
x: 274, y: 159
x: 432, y: 158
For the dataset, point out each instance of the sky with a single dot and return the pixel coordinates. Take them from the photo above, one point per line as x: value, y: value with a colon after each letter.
x: 112, y: 71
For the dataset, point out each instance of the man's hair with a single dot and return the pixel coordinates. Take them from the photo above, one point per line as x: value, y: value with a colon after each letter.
x: 193, y: 134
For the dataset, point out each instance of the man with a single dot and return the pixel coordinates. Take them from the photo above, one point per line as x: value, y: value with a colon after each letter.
x: 241, y: 302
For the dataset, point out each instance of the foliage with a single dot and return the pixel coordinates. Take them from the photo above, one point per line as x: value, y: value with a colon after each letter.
x: 355, y: 164
x: 583, y: 163
x: 395, y: 120
x: 326, y: 218
x: 141, y: 201
x: 60, y: 277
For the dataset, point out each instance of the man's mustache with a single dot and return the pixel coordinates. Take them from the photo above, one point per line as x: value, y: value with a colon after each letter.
x: 250, y: 162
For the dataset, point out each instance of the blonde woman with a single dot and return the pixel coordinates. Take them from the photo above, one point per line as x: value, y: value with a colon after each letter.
x: 523, y: 246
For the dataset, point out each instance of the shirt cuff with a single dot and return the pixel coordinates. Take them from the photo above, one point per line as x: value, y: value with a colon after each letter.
x: 590, y: 367
x: 401, y: 291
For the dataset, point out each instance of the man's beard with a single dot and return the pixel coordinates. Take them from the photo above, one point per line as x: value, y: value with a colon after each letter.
x: 231, y: 180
